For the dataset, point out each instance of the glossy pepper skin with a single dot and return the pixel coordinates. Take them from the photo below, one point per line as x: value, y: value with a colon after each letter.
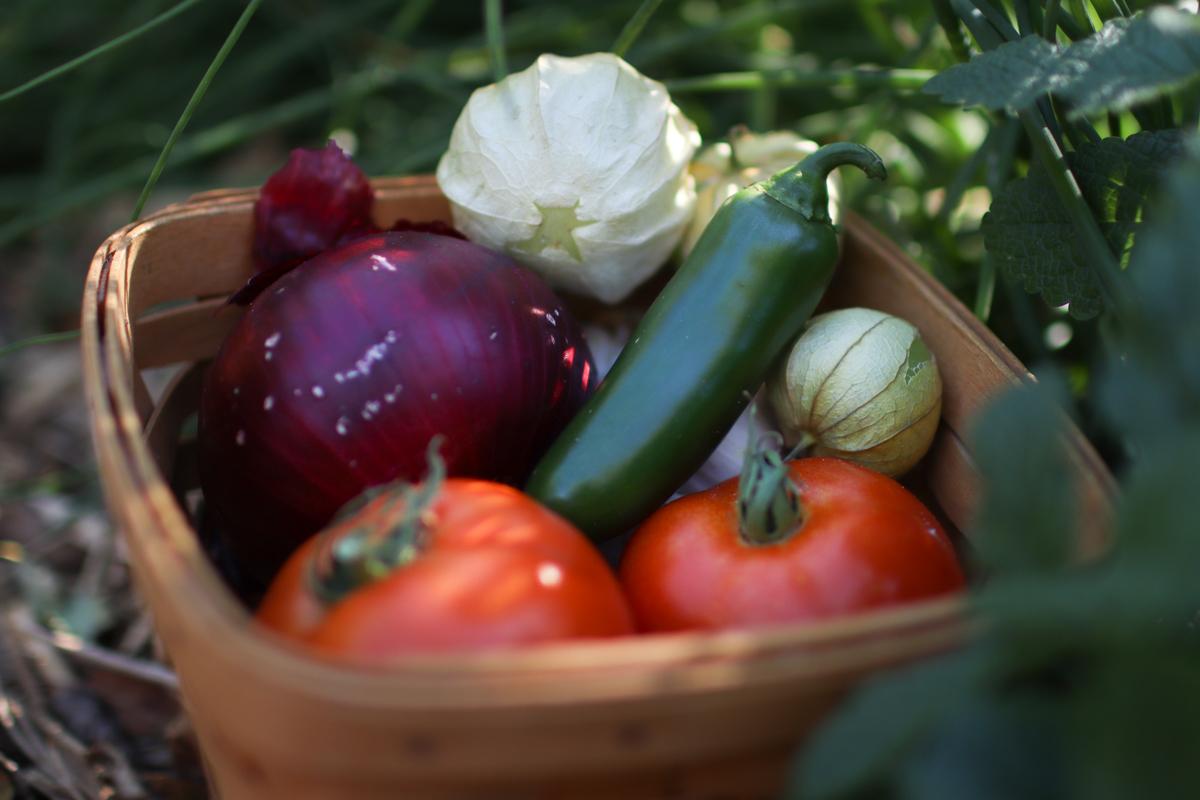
x: 708, y: 340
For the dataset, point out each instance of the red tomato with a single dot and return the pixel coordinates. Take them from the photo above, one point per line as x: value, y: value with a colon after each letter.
x: 493, y: 569
x: 864, y: 542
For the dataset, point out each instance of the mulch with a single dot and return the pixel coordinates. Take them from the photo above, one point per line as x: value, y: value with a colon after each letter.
x: 88, y: 709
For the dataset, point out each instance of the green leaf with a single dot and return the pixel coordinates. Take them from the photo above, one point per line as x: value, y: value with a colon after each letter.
x: 1130, y: 60
x: 1154, y: 391
x: 1023, y: 525
x: 874, y: 730
x: 1029, y: 234
x: 1157, y: 516
x: 1013, y: 76
x: 1144, y: 590
x: 1134, y: 727
x: 994, y: 748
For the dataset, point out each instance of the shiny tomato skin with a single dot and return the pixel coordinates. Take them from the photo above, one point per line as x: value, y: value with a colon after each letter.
x: 495, y: 570
x: 865, y: 542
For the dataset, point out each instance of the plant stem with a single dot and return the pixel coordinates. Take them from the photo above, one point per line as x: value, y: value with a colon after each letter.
x: 190, y: 108
x: 997, y: 20
x: 965, y: 175
x: 952, y: 27
x: 1189, y: 108
x: 985, y: 290
x: 1034, y: 9
x: 34, y: 341
x: 769, y: 508
x: 1049, y: 154
x: 977, y: 24
x: 743, y: 20
x: 896, y: 79
x: 96, y: 52
x: 408, y: 19
x: 1114, y: 124
x: 494, y: 23
x: 1079, y: 132
x: 989, y: 39
x: 1050, y: 20
x: 1025, y: 24
x: 633, y: 28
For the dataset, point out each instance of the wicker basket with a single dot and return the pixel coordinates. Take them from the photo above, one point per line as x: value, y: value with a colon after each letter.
x: 679, y: 715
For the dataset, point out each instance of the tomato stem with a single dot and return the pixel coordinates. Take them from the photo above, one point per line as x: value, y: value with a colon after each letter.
x: 386, y: 540
x: 769, y: 508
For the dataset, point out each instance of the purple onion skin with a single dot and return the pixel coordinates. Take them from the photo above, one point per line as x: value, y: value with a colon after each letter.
x: 340, y: 373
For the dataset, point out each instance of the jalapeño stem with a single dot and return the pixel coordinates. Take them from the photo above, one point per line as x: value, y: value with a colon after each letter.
x: 802, y: 188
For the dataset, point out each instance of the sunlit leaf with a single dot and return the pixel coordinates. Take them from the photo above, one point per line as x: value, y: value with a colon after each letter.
x: 1013, y: 76
x: 1130, y: 60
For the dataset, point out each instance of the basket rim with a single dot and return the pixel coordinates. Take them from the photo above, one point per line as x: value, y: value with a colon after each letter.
x: 603, y: 671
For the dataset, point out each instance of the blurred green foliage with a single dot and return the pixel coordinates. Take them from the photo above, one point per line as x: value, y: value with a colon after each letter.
x: 396, y: 74
x: 1084, y: 683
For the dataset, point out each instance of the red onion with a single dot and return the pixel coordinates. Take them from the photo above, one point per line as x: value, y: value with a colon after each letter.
x: 319, y: 198
x: 340, y: 373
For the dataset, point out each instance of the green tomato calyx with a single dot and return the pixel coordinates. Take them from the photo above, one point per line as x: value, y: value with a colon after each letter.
x: 769, y: 508
x: 385, y: 540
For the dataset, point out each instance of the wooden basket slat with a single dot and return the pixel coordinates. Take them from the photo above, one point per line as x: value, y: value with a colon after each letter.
x: 642, y: 711
x: 974, y: 366
x: 177, y: 403
x: 190, y: 332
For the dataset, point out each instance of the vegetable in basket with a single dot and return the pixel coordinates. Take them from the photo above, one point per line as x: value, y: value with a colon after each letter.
x: 861, y: 385
x: 708, y: 340
x: 786, y: 542
x: 341, y: 372
x: 576, y: 167
x: 450, y: 564
x: 723, y: 169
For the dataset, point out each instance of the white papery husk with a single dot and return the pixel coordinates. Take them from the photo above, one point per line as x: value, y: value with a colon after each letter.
x: 859, y: 384
x: 578, y: 168
x: 723, y: 169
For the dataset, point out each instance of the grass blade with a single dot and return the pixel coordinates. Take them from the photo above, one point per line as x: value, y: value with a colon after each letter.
x: 895, y: 79
x: 495, y: 37
x: 34, y: 341
x: 96, y: 52
x: 190, y: 108
x: 633, y: 28
x: 219, y: 138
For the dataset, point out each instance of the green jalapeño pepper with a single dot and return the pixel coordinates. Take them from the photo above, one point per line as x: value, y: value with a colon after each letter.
x: 708, y: 341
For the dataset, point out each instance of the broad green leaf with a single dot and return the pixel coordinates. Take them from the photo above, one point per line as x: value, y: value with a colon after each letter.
x: 1131, y: 59
x: 1145, y: 590
x: 1028, y: 232
x: 1157, y: 517
x: 1026, y: 517
x: 1135, y: 724
x: 876, y: 728
x: 1012, y: 76
x: 1154, y: 390
x: 994, y: 748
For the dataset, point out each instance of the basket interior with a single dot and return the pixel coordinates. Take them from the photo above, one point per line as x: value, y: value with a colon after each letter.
x: 168, y: 303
